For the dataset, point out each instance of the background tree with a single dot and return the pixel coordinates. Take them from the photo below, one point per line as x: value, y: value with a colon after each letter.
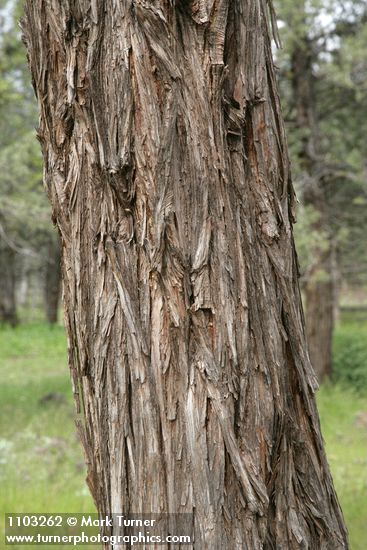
x: 28, y: 243
x: 169, y: 181
x: 328, y: 173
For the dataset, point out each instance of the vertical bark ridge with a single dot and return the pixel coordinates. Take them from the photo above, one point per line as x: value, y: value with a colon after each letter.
x: 166, y: 165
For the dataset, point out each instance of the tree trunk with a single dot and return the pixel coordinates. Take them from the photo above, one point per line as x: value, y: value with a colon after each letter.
x: 319, y: 296
x: 166, y: 166
x: 52, y: 283
x: 8, y: 310
x: 320, y: 292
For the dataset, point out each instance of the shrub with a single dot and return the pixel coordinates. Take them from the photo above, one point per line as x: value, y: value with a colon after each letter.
x: 350, y: 355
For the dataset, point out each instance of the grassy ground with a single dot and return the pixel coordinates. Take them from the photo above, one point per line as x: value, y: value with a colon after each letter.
x: 41, y: 464
x: 343, y: 417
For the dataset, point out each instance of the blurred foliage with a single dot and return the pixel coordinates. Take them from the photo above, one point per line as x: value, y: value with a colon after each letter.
x: 350, y: 356
x: 24, y: 210
x: 26, y: 233
x: 308, y: 239
x: 336, y: 36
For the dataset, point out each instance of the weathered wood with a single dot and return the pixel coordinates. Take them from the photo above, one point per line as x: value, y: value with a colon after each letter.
x: 166, y: 166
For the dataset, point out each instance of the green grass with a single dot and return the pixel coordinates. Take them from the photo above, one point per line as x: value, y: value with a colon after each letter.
x: 343, y: 415
x: 41, y: 463
x: 42, y: 468
x: 344, y: 422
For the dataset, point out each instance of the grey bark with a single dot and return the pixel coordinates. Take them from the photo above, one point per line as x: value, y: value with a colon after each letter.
x: 166, y: 166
